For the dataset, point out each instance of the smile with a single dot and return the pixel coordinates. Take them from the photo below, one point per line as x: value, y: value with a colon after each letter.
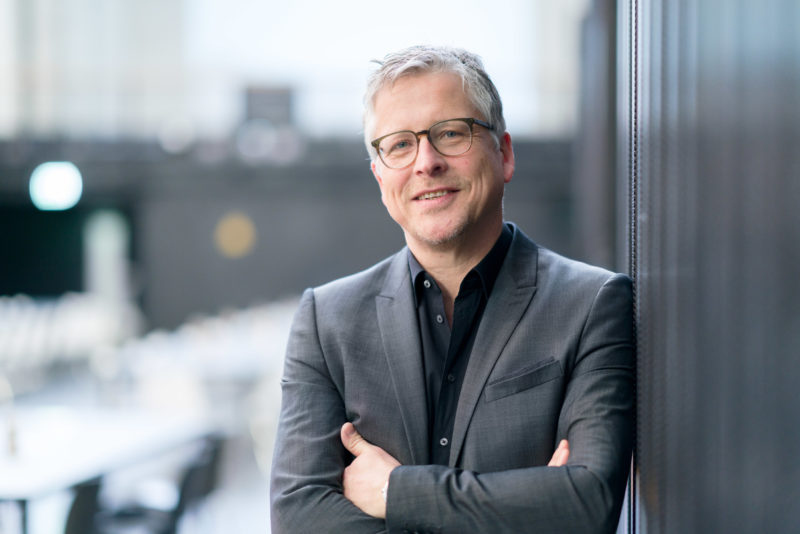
x: 433, y: 194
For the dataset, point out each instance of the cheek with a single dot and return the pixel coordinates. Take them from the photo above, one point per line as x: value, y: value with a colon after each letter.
x: 392, y: 190
x: 389, y: 196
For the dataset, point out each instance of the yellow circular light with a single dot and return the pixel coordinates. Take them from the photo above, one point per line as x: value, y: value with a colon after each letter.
x: 235, y: 235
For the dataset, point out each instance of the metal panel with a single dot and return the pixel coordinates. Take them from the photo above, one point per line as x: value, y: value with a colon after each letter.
x: 712, y: 130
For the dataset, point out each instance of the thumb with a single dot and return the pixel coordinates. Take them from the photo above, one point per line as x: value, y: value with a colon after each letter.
x: 561, y: 455
x: 352, y: 440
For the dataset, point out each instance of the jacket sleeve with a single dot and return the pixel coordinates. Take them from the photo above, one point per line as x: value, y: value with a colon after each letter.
x: 309, y: 458
x: 583, y: 496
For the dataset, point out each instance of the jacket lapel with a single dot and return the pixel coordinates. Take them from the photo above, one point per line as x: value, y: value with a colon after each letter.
x: 401, y: 345
x: 512, y: 293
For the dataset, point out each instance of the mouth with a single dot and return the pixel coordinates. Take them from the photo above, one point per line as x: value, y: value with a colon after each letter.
x: 434, y: 194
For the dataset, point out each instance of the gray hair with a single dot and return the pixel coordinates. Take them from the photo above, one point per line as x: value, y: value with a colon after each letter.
x: 427, y: 59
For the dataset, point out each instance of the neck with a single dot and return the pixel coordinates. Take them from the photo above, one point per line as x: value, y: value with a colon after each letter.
x: 448, y: 263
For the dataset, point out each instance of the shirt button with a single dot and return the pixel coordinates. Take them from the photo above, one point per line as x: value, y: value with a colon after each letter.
x: 451, y: 378
x: 443, y: 442
x: 439, y: 319
x: 427, y: 284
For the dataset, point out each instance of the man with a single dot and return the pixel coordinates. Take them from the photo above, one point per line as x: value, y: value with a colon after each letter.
x: 430, y: 392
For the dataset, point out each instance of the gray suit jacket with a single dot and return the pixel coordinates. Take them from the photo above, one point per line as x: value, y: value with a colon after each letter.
x: 552, y: 359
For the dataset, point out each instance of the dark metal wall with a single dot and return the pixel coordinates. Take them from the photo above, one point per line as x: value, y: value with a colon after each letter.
x: 710, y: 132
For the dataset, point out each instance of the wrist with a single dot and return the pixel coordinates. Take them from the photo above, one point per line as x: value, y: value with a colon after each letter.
x: 384, y: 491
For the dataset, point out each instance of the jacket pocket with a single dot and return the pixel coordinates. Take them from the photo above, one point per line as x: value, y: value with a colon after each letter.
x: 523, y: 379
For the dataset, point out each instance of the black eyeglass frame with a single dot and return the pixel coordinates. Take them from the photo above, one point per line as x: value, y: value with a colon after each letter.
x: 469, y: 120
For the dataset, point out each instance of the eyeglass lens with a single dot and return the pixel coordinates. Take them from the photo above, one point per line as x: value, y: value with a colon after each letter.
x: 449, y: 138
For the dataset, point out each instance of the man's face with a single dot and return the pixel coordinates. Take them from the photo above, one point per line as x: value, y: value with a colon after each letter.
x: 441, y: 200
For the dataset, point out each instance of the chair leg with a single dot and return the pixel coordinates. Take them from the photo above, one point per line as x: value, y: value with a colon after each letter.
x: 80, y: 519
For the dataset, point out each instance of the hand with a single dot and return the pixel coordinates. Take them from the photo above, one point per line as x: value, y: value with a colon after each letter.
x: 367, y: 473
x: 561, y: 455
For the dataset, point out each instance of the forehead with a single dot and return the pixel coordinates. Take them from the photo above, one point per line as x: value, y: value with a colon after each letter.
x: 416, y: 101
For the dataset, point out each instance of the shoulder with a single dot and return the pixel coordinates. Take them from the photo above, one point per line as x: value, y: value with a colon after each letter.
x: 582, y: 286
x: 562, y: 275
x: 558, y: 268
x: 362, y: 286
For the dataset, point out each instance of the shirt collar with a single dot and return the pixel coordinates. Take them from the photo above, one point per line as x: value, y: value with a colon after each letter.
x: 486, y: 271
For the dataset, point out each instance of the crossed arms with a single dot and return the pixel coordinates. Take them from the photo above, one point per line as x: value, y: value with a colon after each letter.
x: 366, y: 479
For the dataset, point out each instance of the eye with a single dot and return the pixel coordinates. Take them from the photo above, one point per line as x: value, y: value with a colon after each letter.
x: 396, y: 144
x: 400, y: 145
x: 450, y: 135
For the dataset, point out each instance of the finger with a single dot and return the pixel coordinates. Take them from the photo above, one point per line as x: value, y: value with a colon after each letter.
x: 563, y: 452
x: 352, y: 440
x: 561, y: 455
x: 555, y: 460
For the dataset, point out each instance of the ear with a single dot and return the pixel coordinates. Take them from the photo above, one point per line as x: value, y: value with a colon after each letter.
x: 507, y: 152
x: 375, y: 173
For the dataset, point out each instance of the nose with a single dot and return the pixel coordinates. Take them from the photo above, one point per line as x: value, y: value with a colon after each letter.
x: 429, y: 161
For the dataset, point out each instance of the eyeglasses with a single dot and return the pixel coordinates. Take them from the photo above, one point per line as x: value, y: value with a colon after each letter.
x: 452, y: 137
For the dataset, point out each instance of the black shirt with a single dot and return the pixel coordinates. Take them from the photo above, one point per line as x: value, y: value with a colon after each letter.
x: 446, y: 351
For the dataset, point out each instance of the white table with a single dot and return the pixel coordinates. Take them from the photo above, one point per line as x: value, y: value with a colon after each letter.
x: 59, y: 448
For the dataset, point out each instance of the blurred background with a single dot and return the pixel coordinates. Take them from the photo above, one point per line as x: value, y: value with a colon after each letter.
x: 174, y: 173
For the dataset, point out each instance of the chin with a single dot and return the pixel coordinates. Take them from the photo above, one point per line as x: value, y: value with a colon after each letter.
x: 442, y: 236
